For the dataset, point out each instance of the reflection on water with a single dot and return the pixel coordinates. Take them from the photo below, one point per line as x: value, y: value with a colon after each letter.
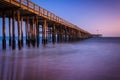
x: 92, y: 59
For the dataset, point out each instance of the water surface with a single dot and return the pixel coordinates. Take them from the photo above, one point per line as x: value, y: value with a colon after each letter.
x: 90, y: 59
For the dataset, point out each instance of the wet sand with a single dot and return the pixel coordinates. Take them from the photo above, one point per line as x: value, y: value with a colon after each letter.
x: 91, y: 59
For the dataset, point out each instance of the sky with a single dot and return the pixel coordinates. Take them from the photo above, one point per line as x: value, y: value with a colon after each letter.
x: 94, y: 16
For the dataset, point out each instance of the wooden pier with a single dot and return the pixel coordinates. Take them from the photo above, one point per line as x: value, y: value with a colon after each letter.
x: 18, y: 12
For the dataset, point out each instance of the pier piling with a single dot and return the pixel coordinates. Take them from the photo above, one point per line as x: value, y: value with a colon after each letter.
x: 54, y: 29
x: 53, y: 34
x: 22, y: 44
x: 10, y: 33
x: 4, y: 31
x: 19, y: 30
x: 44, y: 28
x: 13, y: 30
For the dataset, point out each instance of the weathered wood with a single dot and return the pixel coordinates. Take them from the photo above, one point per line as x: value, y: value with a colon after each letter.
x: 66, y: 38
x: 58, y: 34
x: 53, y: 34
x: 33, y: 31
x: 22, y: 43
x: 26, y: 30
x: 19, y: 30
x: 44, y: 30
x: 61, y: 34
x: 34, y: 15
x: 37, y: 31
x: 13, y: 30
x: 10, y: 32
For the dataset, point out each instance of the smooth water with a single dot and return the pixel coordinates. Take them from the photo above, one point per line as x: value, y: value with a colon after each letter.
x: 90, y: 59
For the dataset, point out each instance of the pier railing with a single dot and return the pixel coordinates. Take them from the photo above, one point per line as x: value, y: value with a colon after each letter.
x: 43, y: 12
x: 35, y: 16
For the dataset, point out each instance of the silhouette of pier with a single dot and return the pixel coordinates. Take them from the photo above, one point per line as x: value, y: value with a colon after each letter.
x: 37, y: 21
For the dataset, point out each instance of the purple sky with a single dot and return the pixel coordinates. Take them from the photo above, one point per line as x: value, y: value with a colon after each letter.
x: 95, y: 16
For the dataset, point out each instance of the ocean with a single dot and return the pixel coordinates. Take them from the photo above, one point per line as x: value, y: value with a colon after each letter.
x: 89, y: 59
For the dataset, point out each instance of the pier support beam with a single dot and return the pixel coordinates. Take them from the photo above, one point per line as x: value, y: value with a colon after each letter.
x: 65, y: 33
x: 19, y: 30
x: 44, y: 32
x: 53, y: 34
x: 70, y: 34
x: 26, y: 30
x: 50, y: 34
x: 33, y: 31
x: 58, y: 35
x: 61, y: 34
x: 22, y: 43
x: 10, y: 33
x: 13, y: 30
x: 37, y: 31
x: 4, y: 32
x: 73, y: 35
